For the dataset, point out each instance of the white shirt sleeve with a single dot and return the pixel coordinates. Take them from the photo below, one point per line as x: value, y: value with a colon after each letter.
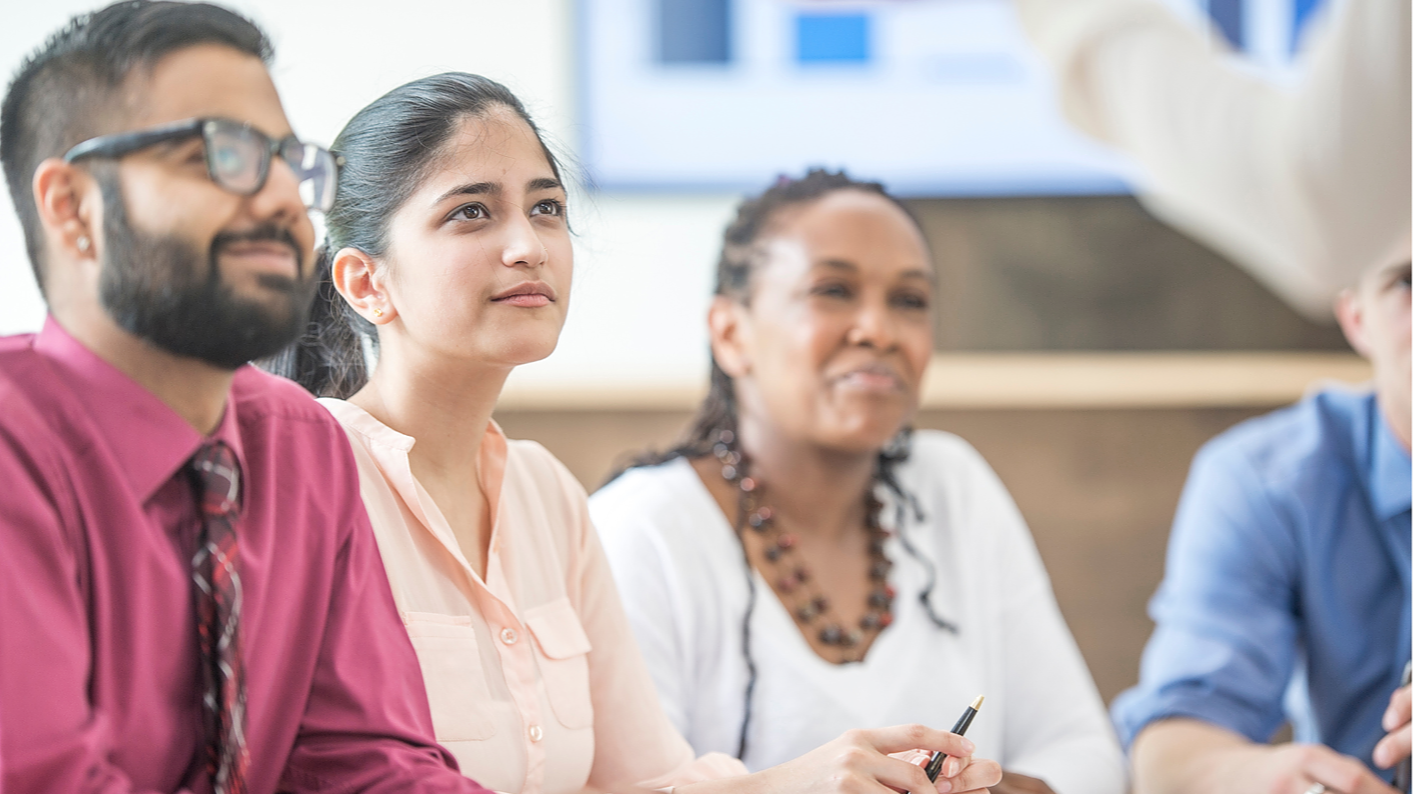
x: 1306, y: 188
x: 1056, y: 726
x: 660, y: 628
x: 682, y: 579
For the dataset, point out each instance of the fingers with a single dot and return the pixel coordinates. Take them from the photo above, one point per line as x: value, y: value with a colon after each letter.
x: 1399, y: 706
x: 1340, y: 773
x: 953, y: 766
x: 978, y: 775
x: 901, y: 775
x: 1014, y: 783
x: 908, y: 737
x: 1394, y: 747
x: 1397, y: 745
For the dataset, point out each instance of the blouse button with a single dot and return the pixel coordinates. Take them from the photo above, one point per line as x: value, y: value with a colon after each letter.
x: 508, y: 636
x: 536, y: 733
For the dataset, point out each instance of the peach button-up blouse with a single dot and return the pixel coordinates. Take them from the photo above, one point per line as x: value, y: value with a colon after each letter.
x: 535, y: 682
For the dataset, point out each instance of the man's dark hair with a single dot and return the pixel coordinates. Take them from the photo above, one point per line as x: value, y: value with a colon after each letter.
x: 70, y: 89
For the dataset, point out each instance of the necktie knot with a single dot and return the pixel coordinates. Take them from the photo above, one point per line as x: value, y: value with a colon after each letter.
x: 218, y: 471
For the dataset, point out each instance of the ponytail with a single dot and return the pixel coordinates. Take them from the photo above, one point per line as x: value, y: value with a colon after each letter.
x: 328, y: 358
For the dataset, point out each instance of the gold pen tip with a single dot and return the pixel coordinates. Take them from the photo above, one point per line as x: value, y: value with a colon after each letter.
x: 976, y: 704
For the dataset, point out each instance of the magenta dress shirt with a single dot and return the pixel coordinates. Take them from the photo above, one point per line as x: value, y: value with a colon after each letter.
x: 98, y: 665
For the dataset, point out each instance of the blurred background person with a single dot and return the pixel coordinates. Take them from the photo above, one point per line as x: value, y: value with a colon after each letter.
x: 449, y: 248
x: 1308, y: 186
x: 1287, y: 592
x: 803, y: 563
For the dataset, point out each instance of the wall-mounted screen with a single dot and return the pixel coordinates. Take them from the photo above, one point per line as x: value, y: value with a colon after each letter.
x: 935, y: 97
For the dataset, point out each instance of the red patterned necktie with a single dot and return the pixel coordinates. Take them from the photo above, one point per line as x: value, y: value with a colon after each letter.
x: 217, y: 596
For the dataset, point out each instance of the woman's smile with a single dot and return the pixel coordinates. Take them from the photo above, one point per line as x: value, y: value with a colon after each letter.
x: 875, y: 378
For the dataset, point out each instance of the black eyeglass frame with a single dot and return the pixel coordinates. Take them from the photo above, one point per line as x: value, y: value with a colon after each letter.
x: 125, y: 143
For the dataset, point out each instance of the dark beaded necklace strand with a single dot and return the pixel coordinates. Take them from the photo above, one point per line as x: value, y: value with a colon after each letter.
x: 792, y: 578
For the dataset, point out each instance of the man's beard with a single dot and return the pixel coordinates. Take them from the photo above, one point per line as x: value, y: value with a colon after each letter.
x: 155, y: 288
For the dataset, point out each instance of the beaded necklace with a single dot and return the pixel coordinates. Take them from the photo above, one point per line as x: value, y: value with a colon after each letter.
x: 808, y: 605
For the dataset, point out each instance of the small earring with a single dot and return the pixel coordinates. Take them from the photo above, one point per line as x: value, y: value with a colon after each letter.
x: 377, y: 312
x: 83, y: 243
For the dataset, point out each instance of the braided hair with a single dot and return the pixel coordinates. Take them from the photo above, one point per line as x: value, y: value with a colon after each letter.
x: 742, y: 253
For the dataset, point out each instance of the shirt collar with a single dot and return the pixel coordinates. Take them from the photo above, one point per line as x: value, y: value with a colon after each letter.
x: 149, y: 440
x: 390, y: 449
x: 1391, y: 473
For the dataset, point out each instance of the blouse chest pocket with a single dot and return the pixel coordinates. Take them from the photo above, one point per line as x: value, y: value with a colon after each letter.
x: 563, y: 650
x: 452, y: 672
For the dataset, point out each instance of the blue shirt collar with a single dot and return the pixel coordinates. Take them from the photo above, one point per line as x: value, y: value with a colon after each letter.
x: 1390, y: 472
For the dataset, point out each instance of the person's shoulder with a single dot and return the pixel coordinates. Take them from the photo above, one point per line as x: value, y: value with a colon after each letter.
x: 937, y: 454
x: 17, y: 362
x: 16, y: 355
x: 659, y: 506
x: 33, y: 404
x: 1294, y: 442
x: 647, y: 490
x: 14, y: 346
x: 283, y: 423
x: 260, y: 396
x: 939, y: 445
x: 532, y: 456
x: 27, y: 411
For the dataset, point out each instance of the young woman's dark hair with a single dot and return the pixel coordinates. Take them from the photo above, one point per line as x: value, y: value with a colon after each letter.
x: 742, y: 252
x: 389, y: 148
x: 69, y: 89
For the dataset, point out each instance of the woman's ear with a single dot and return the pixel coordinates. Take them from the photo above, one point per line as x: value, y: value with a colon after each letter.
x: 359, y: 279
x: 730, y: 336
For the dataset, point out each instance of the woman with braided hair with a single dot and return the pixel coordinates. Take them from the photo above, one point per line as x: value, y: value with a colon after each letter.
x: 802, y: 562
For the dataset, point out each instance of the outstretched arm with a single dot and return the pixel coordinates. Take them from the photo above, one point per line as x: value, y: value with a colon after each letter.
x: 1306, y: 188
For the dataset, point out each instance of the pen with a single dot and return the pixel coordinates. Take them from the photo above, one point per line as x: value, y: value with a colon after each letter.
x: 1401, y: 774
x: 963, y: 722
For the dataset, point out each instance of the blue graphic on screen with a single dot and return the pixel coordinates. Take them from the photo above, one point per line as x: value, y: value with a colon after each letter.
x: 693, y: 31
x: 831, y: 38
x: 932, y: 97
x: 1234, y: 20
x: 1302, y: 11
x: 1227, y: 16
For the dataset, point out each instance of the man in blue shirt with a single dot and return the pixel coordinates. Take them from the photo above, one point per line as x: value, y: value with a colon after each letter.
x: 1287, y: 592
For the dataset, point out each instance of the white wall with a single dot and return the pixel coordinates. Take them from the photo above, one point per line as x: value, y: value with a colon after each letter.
x: 643, y: 265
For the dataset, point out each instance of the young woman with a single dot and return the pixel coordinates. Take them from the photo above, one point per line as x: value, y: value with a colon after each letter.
x: 803, y: 562
x: 449, y: 252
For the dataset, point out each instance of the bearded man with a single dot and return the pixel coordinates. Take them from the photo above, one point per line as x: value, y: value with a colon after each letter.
x: 193, y: 598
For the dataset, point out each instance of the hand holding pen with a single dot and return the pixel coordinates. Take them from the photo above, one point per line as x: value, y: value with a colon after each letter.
x: 859, y: 762
x: 1395, y: 748
x: 934, y: 766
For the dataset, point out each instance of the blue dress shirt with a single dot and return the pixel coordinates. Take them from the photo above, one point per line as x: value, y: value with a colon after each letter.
x: 1287, y: 589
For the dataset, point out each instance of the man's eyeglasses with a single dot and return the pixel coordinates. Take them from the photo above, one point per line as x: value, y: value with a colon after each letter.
x: 237, y: 156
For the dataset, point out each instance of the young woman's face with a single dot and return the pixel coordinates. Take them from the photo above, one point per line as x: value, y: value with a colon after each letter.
x: 480, y: 258
x: 838, y: 330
